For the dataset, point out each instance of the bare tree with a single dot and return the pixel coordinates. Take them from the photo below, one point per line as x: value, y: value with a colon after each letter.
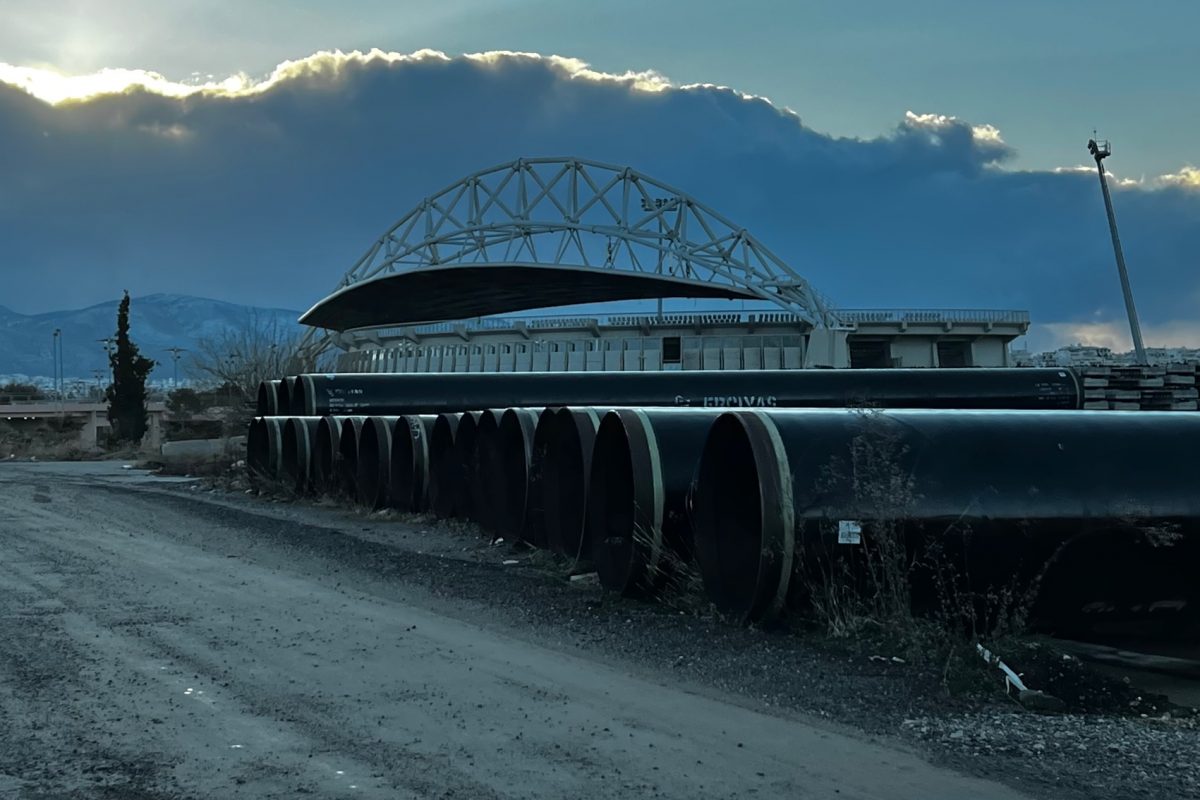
x: 243, y: 356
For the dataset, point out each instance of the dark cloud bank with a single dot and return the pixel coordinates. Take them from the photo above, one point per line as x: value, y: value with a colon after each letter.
x: 267, y: 197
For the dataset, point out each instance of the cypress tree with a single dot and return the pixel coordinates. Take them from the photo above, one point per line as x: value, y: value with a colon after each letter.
x: 127, y: 394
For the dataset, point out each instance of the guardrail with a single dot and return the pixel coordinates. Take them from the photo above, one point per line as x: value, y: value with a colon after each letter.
x: 711, y: 317
x: 964, y: 315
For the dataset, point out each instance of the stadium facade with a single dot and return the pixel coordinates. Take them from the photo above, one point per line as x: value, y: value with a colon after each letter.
x: 432, y: 293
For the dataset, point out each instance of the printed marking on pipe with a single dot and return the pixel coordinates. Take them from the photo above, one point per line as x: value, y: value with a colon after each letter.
x: 849, y: 531
x: 733, y: 401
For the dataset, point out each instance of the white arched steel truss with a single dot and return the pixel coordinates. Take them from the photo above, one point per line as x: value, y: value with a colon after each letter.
x: 571, y: 211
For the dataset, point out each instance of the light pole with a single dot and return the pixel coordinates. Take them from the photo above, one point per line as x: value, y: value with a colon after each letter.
x: 62, y: 367
x: 175, y: 351
x: 54, y: 358
x: 109, y: 343
x: 1101, y: 151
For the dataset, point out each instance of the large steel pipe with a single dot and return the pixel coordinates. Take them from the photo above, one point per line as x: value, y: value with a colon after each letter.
x: 285, y: 397
x: 565, y: 474
x: 267, y: 401
x: 510, y: 466
x: 1087, y: 507
x: 483, y: 484
x: 373, y: 477
x: 463, y: 465
x: 347, y: 458
x: 637, y: 527
x: 299, y: 437
x: 325, y: 454
x: 430, y: 393
x: 408, y: 474
x: 441, y: 465
x: 264, y: 447
x: 534, y: 530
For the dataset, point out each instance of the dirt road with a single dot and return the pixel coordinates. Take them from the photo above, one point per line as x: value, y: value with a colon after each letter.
x: 156, y: 646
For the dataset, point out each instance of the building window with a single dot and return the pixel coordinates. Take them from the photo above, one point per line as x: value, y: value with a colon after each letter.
x: 870, y: 353
x: 954, y: 354
x: 672, y: 350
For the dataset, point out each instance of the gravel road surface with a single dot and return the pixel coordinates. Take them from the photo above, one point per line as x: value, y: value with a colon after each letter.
x: 151, y: 649
x: 156, y: 643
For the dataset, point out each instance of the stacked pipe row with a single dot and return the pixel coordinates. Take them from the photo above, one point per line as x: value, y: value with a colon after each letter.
x: 757, y: 499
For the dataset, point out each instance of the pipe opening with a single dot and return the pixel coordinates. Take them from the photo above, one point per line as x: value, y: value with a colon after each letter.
x: 300, y: 397
x: 347, y: 461
x: 511, y: 465
x: 267, y: 401
x: 565, y: 485
x: 610, y: 515
x: 294, y: 459
x: 464, y: 466
x: 534, y: 531
x: 257, y: 449
x: 441, y: 464
x: 727, y: 519
x: 484, y: 478
x: 283, y: 396
x: 325, y: 453
x: 374, y: 458
x: 407, y: 463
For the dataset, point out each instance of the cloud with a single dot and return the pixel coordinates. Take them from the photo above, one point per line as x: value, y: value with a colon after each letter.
x: 1186, y: 178
x: 326, y: 66
x: 1115, y: 335
x: 265, y: 190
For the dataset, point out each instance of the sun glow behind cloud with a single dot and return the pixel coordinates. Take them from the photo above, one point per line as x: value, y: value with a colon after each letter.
x: 55, y: 87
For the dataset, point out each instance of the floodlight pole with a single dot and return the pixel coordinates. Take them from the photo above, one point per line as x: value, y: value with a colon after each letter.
x: 175, y: 353
x: 1101, y: 151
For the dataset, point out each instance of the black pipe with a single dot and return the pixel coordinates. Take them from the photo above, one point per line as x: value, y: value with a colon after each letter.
x: 441, y: 465
x: 484, y: 480
x: 1007, y: 500
x: 408, y: 474
x: 429, y: 393
x: 347, y: 460
x: 325, y: 454
x: 565, y: 478
x: 637, y: 526
x: 510, y: 468
x: 463, y: 465
x: 264, y: 447
x: 267, y: 401
x: 375, y: 461
x: 285, y: 397
x: 299, y: 434
x: 534, y: 530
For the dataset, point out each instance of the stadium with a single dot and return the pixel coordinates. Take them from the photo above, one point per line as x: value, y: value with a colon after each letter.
x: 645, y: 277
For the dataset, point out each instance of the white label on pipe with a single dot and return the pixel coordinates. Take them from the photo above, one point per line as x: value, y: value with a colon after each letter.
x: 849, y: 531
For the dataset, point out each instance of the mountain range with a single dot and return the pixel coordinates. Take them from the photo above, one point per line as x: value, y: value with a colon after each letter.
x: 157, y: 322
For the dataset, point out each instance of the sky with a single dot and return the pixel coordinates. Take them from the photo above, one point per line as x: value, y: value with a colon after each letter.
x: 898, y: 154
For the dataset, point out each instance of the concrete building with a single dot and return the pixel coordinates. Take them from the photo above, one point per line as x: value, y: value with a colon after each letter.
x: 724, y: 341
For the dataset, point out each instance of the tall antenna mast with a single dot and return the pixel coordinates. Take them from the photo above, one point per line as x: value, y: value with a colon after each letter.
x: 1101, y: 151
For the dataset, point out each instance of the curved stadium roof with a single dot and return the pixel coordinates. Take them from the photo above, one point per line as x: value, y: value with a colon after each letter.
x: 460, y: 292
